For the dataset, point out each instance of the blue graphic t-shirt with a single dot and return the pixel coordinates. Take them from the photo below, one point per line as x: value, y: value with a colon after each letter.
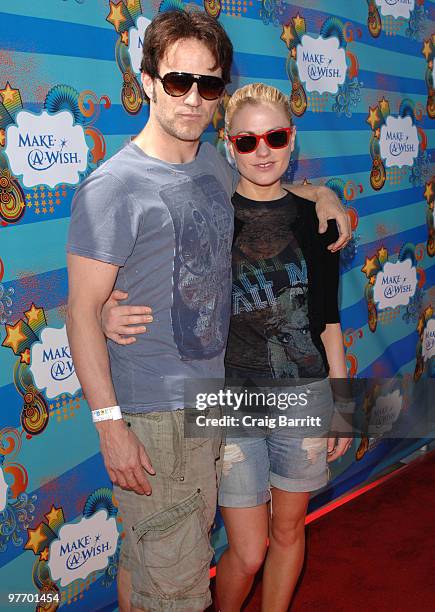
x: 284, y: 289
x: 169, y: 228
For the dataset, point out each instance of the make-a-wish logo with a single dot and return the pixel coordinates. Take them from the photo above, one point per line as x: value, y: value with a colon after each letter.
x: 395, y: 284
x: 135, y: 42
x: 399, y: 141
x: 428, y: 348
x: 396, y: 8
x: 51, y: 363
x: 321, y: 63
x: 83, y: 547
x: 385, y: 413
x: 47, y: 148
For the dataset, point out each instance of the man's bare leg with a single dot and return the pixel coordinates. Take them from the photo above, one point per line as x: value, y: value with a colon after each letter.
x: 124, y: 590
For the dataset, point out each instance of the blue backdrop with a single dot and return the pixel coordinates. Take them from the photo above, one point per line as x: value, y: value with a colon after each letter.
x: 361, y: 79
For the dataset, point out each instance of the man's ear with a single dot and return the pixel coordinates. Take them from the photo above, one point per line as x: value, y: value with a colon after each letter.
x: 147, y: 84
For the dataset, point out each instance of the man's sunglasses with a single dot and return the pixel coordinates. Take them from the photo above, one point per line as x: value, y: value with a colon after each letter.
x: 275, y: 139
x: 179, y: 83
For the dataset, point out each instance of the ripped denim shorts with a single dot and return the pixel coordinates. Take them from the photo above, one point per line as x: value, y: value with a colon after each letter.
x: 276, y: 454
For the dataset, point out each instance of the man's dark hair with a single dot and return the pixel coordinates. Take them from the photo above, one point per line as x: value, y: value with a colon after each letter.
x: 172, y: 26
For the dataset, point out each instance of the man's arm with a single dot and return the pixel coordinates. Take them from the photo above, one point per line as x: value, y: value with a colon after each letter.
x: 90, y: 283
x: 328, y: 206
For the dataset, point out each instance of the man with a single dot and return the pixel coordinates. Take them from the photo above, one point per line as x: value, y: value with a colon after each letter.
x: 157, y: 219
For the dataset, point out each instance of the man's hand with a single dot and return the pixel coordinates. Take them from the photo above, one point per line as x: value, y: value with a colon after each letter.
x: 120, y: 321
x: 328, y: 206
x: 337, y: 447
x: 125, y: 457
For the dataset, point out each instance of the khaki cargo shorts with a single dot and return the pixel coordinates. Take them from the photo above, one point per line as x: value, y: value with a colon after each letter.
x: 167, y: 534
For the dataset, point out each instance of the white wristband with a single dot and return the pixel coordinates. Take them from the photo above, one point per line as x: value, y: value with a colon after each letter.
x: 104, y: 414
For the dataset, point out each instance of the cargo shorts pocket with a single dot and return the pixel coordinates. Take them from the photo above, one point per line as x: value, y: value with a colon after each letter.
x: 175, y: 549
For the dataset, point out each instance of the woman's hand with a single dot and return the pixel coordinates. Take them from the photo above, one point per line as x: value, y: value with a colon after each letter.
x: 337, y: 447
x: 120, y: 321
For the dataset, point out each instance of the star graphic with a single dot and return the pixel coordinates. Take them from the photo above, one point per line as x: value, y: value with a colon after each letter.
x: 384, y: 105
x: 25, y: 357
x: 382, y: 253
x: 55, y: 515
x: 8, y: 94
x: 2, y: 138
x: 14, y: 335
x: 115, y: 17
x: 97, y: 537
x: 63, y: 142
x: 428, y: 312
x: 225, y: 99
x: 373, y: 117
x: 44, y: 555
x: 217, y: 116
x: 420, y: 326
x: 428, y: 192
x: 372, y: 279
x: 124, y: 38
x: 427, y: 49
x: 36, y: 537
x: 369, y: 266
x: 33, y: 314
x: 299, y: 23
x: 287, y: 35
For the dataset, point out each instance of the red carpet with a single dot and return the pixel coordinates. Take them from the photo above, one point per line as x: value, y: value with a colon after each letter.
x: 374, y: 553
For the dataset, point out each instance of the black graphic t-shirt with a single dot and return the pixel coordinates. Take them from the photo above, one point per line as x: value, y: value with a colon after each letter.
x: 285, y: 285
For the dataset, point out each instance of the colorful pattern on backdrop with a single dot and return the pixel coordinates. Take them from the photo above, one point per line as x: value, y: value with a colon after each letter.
x: 361, y: 79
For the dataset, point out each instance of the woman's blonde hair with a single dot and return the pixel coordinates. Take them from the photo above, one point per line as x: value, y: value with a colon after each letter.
x: 255, y: 93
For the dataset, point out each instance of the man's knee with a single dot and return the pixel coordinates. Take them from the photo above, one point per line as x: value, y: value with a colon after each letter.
x: 175, y: 554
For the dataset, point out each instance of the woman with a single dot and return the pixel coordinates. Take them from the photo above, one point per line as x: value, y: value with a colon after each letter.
x: 284, y: 325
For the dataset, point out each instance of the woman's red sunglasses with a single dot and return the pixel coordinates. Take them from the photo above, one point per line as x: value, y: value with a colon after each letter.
x: 275, y: 139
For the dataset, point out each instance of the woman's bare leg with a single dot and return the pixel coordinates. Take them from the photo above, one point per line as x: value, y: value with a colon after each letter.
x: 247, y: 539
x: 286, y: 552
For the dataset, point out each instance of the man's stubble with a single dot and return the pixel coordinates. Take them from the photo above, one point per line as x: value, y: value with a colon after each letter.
x: 173, y: 125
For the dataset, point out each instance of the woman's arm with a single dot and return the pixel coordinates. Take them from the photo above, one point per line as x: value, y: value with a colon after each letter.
x: 332, y: 339
x: 119, y: 323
